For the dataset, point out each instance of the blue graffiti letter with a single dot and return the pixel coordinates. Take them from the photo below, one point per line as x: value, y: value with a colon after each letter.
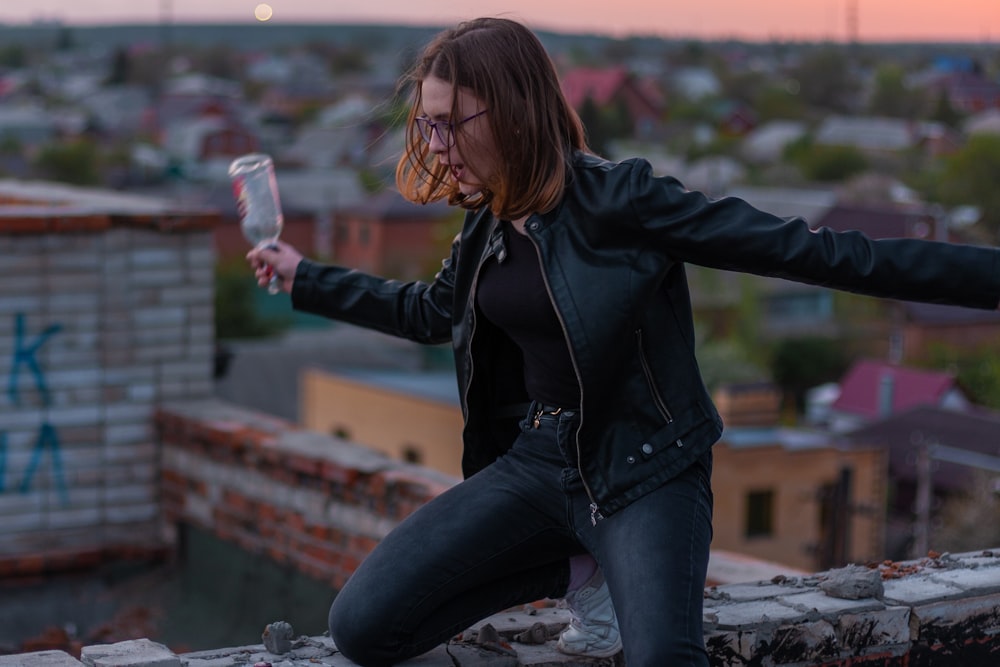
x: 25, y: 354
x: 47, y: 435
x: 3, y: 461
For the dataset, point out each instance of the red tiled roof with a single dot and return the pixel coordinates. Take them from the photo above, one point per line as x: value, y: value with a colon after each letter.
x: 861, y: 388
x: 599, y: 84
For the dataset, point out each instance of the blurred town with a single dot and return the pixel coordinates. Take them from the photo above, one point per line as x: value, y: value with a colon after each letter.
x: 857, y: 429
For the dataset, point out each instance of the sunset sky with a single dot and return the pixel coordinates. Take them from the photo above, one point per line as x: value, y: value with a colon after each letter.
x: 877, y: 20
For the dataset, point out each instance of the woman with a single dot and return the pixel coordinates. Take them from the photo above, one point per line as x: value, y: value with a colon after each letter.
x: 588, y: 429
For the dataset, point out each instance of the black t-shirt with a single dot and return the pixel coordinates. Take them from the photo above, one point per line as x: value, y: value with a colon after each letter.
x: 512, y: 296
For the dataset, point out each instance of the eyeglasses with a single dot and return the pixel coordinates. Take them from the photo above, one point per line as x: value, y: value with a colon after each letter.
x: 444, y: 129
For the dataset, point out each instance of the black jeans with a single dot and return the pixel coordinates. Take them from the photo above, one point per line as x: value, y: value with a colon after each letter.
x: 503, y: 538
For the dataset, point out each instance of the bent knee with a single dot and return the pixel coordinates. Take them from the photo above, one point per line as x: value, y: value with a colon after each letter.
x: 362, y: 640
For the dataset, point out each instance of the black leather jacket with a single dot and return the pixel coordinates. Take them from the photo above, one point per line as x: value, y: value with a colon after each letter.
x: 613, y: 254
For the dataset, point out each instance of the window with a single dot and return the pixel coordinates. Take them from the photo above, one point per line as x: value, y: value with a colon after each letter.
x: 412, y: 454
x: 760, y: 514
x: 817, y: 305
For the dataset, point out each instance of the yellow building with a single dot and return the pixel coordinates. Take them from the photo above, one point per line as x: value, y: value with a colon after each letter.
x: 408, y: 416
x: 795, y: 498
x: 785, y: 496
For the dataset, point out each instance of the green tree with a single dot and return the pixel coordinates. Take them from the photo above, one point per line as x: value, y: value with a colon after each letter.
x: 945, y: 112
x: 829, y: 164
x: 892, y: 97
x: 77, y: 162
x: 65, y: 40
x: 977, y: 370
x: 604, y: 125
x: 13, y: 56
x: 826, y: 80
x: 971, y: 177
x: 120, y: 68
x: 779, y: 103
x: 798, y: 364
x: 235, y: 314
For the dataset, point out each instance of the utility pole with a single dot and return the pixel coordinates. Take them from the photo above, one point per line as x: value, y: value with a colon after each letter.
x: 166, y: 18
x: 852, y: 21
x: 929, y: 451
x: 922, y: 503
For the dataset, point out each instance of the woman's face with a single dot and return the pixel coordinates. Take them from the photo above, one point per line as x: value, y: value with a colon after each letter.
x: 471, y: 157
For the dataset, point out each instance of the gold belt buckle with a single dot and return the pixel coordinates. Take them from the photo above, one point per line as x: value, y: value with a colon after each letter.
x: 538, y: 416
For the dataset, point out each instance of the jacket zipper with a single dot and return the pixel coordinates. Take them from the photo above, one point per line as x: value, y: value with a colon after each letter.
x: 471, y: 307
x: 595, y: 511
x: 661, y: 404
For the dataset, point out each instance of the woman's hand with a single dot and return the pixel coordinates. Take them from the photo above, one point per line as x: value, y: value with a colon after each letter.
x: 277, y: 259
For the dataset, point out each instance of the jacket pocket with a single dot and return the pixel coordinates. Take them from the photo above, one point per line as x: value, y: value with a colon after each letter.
x: 673, y: 434
x: 647, y: 371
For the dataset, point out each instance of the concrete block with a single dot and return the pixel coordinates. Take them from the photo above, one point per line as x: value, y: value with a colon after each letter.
x: 159, y: 316
x: 812, y: 642
x: 956, y: 621
x: 752, y: 591
x: 159, y: 335
x: 978, y: 581
x: 157, y: 277
x: 731, y: 648
x: 145, y: 258
x: 813, y: 600
x: 75, y: 302
x: 874, y: 629
x: 133, y: 513
x: 238, y: 656
x: 40, y: 659
x: 132, y: 653
x: 918, y: 589
x: 756, y: 613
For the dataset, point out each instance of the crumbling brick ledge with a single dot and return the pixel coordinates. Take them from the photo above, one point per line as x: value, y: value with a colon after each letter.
x: 938, y: 611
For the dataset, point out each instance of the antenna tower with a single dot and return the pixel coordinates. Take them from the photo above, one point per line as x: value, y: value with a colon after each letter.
x: 852, y: 21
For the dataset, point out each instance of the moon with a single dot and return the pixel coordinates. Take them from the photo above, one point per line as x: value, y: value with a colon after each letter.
x: 263, y: 12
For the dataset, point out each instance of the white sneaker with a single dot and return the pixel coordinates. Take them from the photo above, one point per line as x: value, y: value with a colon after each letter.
x: 593, y: 629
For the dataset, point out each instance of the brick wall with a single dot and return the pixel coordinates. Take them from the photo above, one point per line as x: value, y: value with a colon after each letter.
x: 313, y: 502
x: 105, y: 312
x: 319, y: 504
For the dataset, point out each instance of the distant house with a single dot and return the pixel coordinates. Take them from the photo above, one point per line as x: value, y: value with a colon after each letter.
x: 874, y: 390
x: 694, y: 83
x: 957, y: 445
x: 767, y: 142
x: 968, y: 91
x: 928, y: 326
x: 344, y: 133
x: 734, y: 119
x: 872, y: 134
x: 606, y: 86
x: 390, y: 236
x: 884, y: 221
x: 797, y: 497
x: 984, y: 122
x: 207, y: 139
x: 118, y: 111
x: 28, y: 126
x: 192, y: 97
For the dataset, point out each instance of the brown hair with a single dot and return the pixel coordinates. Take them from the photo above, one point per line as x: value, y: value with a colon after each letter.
x: 534, y: 128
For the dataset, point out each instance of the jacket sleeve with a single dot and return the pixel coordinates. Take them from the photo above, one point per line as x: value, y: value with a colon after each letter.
x: 731, y: 234
x: 418, y: 310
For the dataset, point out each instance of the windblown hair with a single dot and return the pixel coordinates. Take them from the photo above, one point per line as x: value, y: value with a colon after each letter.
x: 534, y: 128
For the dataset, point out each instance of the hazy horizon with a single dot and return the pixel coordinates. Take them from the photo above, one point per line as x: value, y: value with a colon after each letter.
x: 764, y: 20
